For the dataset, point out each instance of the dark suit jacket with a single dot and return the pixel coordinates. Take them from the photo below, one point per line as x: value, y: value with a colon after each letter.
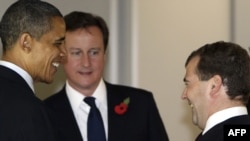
x: 22, y: 116
x: 141, y: 122
x: 216, y: 133
x: 248, y: 107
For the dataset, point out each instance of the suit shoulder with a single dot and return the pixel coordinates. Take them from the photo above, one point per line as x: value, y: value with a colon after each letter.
x: 128, y: 89
x: 54, y: 98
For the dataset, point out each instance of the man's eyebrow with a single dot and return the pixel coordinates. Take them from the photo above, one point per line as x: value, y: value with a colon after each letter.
x: 73, y: 48
x: 95, y: 48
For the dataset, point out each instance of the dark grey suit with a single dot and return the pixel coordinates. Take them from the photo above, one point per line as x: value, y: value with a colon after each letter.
x: 217, y: 132
x: 141, y: 122
x: 23, y: 116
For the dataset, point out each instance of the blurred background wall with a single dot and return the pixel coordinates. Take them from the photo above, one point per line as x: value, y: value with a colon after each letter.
x: 150, y: 41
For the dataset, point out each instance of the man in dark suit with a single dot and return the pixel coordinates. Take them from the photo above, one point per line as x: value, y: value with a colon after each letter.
x: 217, y: 88
x: 129, y: 114
x: 31, y: 33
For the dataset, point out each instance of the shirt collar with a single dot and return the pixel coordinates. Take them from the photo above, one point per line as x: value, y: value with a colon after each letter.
x: 20, y: 71
x: 76, y: 97
x: 223, y: 115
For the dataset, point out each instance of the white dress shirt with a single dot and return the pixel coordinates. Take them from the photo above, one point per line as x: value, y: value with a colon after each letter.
x: 223, y: 115
x: 20, y: 71
x: 81, y: 109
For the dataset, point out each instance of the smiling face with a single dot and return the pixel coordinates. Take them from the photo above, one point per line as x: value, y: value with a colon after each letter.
x: 47, y: 53
x: 85, y: 59
x: 197, y: 94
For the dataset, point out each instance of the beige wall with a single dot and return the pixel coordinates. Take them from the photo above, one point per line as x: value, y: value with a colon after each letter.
x: 168, y: 31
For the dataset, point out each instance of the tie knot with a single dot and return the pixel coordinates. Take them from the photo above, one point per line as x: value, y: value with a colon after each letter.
x: 90, y: 101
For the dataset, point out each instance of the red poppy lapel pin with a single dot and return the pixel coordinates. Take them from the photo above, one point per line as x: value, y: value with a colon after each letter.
x: 122, y: 108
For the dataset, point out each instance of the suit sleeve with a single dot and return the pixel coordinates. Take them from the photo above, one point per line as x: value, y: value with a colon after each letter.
x: 157, y: 131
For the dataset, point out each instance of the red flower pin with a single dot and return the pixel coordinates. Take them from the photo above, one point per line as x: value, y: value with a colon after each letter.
x: 122, y: 107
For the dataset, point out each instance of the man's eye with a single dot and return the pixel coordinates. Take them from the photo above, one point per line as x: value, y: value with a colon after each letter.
x: 58, y: 44
x: 93, y: 52
x: 76, y: 53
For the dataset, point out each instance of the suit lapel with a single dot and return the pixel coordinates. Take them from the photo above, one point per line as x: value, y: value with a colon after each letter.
x: 116, y: 123
x: 67, y: 121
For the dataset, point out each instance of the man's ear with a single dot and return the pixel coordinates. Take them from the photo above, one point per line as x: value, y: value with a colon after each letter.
x: 25, y: 42
x: 216, y: 83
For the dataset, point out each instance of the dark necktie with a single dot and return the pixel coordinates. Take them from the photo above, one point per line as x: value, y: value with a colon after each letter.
x: 95, y: 127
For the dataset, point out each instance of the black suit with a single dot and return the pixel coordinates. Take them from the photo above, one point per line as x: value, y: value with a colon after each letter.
x: 141, y: 122
x: 248, y: 107
x: 22, y: 115
x: 216, y: 133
